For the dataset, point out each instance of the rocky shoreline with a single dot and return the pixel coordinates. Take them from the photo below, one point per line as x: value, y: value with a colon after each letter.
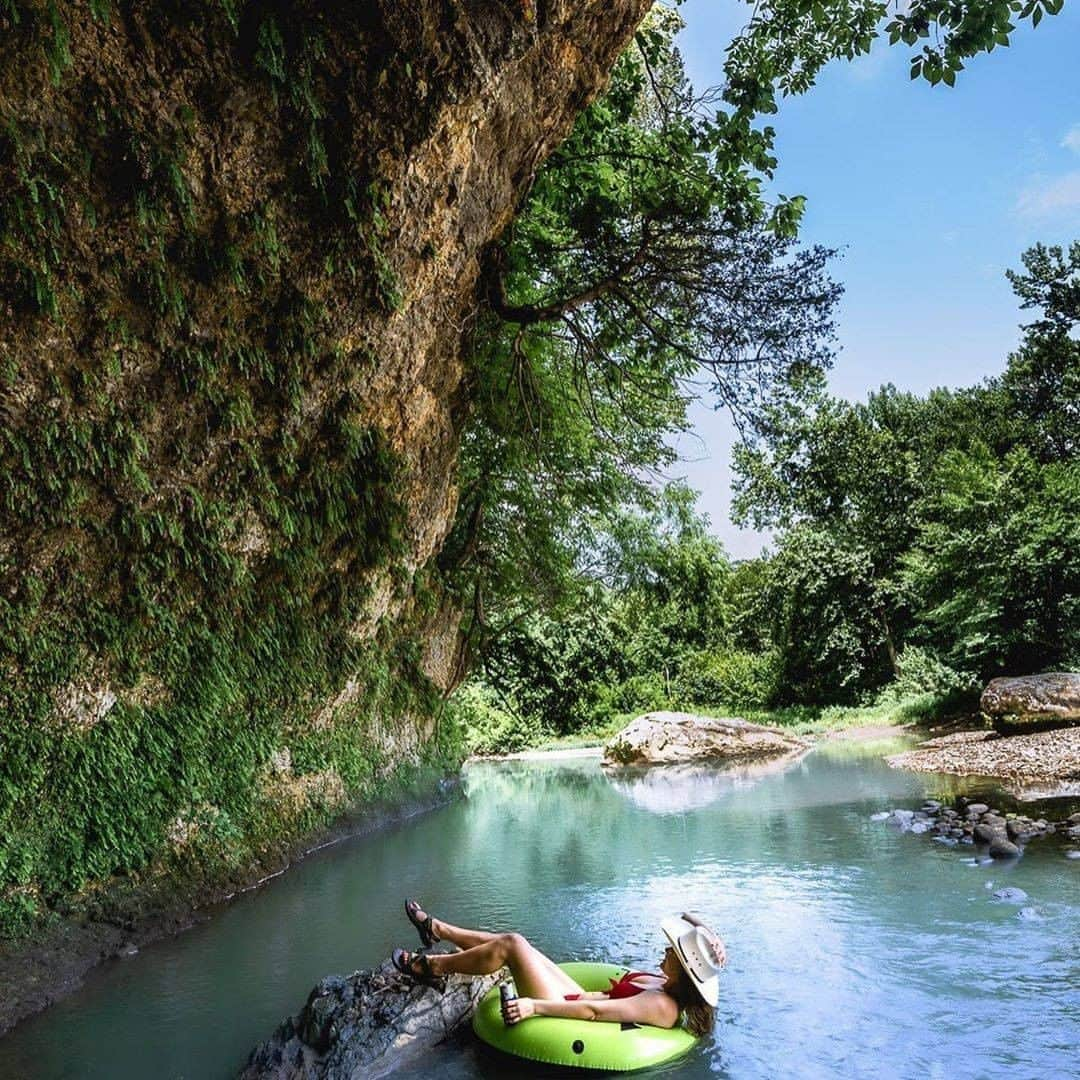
x: 40, y: 970
x: 1002, y: 835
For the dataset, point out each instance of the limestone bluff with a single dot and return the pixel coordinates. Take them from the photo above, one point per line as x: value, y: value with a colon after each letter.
x: 240, y: 250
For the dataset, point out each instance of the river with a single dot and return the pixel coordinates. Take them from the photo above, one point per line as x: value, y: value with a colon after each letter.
x: 855, y: 951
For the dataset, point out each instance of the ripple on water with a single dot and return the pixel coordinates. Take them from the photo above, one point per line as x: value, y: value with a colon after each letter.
x: 854, y: 951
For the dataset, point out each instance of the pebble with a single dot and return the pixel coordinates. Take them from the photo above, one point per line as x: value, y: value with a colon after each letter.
x: 881, y: 816
x: 1072, y: 854
x: 1028, y: 913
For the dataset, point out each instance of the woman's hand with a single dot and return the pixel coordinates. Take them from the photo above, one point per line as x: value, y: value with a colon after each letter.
x: 719, y: 951
x: 518, y: 1009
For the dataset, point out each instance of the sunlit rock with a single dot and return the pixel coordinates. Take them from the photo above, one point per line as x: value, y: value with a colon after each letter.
x: 661, y: 738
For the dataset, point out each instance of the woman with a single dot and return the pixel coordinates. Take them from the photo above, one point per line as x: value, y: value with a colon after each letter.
x: 688, y: 985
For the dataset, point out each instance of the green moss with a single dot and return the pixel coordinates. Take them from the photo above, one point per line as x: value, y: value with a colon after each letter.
x: 194, y: 499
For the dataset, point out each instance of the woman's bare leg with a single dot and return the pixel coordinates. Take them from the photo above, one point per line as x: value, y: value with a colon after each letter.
x: 535, y: 975
x: 460, y: 936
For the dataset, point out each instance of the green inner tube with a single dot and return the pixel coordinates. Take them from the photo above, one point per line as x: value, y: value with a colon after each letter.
x: 583, y: 1044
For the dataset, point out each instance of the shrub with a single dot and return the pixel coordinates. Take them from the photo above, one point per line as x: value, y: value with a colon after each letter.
x: 488, y: 726
x: 921, y: 672
x: 726, y: 677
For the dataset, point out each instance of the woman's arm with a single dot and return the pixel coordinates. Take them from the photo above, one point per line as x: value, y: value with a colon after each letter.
x: 650, y: 1007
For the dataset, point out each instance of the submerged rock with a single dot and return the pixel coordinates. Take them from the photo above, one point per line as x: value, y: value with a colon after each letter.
x: 661, y: 738
x: 1010, y: 895
x: 365, y: 1025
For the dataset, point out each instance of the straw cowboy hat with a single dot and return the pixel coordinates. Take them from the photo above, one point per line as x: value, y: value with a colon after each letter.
x: 693, y: 946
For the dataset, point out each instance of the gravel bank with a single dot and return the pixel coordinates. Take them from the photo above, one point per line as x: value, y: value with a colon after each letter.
x: 1042, y: 758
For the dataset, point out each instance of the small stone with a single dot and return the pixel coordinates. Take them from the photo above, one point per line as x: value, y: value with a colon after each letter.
x: 880, y: 816
x: 1074, y: 819
x: 1029, y: 914
x: 931, y: 806
x: 976, y: 809
x: 1072, y: 853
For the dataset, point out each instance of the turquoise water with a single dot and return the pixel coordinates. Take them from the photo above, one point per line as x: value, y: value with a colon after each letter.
x: 854, y: 951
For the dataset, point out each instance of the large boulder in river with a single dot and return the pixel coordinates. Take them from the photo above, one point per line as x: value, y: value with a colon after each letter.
x: 1030, y: 702
x: 663, y: 738
x: 366, y: 1025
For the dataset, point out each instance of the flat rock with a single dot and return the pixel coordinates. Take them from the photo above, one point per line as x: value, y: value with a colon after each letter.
x: 661, y: 738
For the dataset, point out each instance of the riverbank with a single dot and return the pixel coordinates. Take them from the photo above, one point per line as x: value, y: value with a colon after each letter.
x: 812, y: 722
x: 1043, y: 764
x: 53, y: 961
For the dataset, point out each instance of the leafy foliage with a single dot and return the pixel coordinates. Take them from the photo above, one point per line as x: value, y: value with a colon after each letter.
x: 638, y: 261
x: 959, y: 509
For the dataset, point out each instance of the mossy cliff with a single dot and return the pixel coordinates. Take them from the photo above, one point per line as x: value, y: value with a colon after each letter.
x: 239, y: 252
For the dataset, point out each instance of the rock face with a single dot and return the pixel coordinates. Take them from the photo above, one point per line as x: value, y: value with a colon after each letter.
x: 661, y: 738
x: 364, y: 1026
x: 240, y: 261
x: 1051, y: 700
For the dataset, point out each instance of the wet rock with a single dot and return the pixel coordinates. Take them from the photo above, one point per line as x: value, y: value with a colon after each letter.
x: 1000, y: 848
x: 1010, y: 895
x: 367, y: 1025
x: 988, y: 833
x: 1072, y: 853
x: 881, y: 815
x: 1029, y: 914
x: 977, y: 809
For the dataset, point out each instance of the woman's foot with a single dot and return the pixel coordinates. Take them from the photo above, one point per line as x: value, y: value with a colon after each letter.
x: 415, y: 965
x: 423, y: 923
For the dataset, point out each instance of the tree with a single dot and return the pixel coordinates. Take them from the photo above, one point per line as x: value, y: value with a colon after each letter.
x: 633, y: 264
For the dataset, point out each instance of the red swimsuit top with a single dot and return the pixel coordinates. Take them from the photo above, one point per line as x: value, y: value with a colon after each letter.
x: 622, y: 988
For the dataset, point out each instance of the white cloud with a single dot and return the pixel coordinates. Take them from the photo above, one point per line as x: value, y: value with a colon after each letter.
x: 1051, y: 197
x: 1072, y: 139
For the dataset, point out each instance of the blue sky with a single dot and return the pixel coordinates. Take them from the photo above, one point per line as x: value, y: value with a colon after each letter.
x: 930, y: 192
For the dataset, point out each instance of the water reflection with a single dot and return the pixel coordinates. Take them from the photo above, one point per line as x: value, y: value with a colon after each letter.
x: 677, y: 789
x: 855, y: 951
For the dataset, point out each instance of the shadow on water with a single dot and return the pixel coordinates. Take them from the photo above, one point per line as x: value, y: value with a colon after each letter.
x: 855, y: 951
